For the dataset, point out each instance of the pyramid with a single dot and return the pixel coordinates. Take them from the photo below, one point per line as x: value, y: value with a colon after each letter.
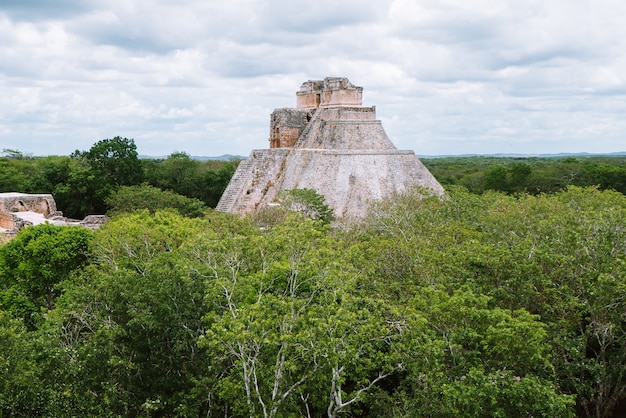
x: 329, y: 142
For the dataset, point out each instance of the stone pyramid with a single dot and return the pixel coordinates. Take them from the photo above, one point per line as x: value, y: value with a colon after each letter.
x: 330, y: 143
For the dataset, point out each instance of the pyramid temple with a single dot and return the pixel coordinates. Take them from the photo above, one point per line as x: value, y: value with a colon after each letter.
x: 329, y: 142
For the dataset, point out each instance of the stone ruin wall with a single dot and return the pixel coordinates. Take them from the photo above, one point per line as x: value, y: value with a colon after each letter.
x: 20, y: 202
x: 330, y: 92
x: 348, y: 179
x: 12, y: 204
x: 286, y: 126
x: 7, y: 221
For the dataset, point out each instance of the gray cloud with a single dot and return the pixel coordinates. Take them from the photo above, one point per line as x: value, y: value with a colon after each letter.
x: 37, y: 10
x: 320, y: 16
x: 203, y: 76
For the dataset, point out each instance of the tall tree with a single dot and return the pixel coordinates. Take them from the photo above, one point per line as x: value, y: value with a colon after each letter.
x: 34, y: 262
x: 288, y: 336
x: 115, y: 161
x: 131, y: 321
x: 95, y: 174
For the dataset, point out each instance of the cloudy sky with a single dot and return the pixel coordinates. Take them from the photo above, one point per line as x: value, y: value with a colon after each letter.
x: 203, y: 76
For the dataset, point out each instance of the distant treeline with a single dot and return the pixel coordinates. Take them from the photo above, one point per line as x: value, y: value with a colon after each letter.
x: 532, y: 175
x: 86, y: 182
x: 110, y: 177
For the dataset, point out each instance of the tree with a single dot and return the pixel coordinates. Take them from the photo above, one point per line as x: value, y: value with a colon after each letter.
x: 288, y: 337
x: 558, y: 256
x: 307, y: 202
x: 519, y: 174
x: 496, y: 179
x: 20, y: 393
x: 189, y: 177
x: 13, y: 154
x: 11, y: 177
x: 216, y: 181
x: 95, y: 174
x: 115, y: 161
x: 48, y: 173
x: 178, y: 173
x: 530, y: 174
x: 79, y: 194
x: 467, y: 305
x: 562, y: 257
x: 129, y: 324
x: 473, y: 360
x: 130, y: 198
x: 34, y: 262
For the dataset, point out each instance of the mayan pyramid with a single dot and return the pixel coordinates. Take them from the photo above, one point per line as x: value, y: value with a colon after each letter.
x: 331, y: 143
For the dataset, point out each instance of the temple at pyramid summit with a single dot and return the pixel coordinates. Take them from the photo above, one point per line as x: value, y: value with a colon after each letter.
x: 329, y: 142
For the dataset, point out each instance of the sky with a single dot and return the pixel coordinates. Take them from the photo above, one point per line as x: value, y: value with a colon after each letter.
x: 447, y: 77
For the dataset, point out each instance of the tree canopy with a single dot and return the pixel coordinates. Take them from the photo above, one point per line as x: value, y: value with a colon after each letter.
x: 473, y: 305
x: 482, y: 303
x: 87, y: 181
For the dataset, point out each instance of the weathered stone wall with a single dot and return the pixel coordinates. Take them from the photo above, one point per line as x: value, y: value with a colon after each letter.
x: 330, y: 92
x: 286, y: 126
x: 255, y: 177
x: 350, y: 113
x: 10, y: 223
x: 19, y: 209
x: 347, y: 128
x: 343, y: 153
x: 352, y: 179
x: 348, y: 179
x: 307, y: 101
x: 93, y: 221
x: 341, y: 98
x: 21, y: 202
x: 7, y: 221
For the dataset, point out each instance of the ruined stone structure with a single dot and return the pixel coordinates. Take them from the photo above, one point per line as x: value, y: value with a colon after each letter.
x: 330, y: 92
x: 18, y: 210
x: 331, y: 143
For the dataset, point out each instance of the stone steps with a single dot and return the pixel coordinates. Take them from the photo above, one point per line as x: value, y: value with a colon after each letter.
x: 307, y: 129
x: 240, y: 180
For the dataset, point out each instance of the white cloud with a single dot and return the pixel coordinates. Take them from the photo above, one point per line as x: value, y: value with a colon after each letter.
x: 203, y: 76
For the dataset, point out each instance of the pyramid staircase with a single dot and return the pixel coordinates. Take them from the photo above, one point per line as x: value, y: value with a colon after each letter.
x: 235, y: 189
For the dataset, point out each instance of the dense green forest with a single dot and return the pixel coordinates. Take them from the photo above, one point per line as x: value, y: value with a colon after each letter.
x: 110, y: 177
x: 475, y: 305
x: 532, y: 175
x: 481, y: 304
x: 86, y: 182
